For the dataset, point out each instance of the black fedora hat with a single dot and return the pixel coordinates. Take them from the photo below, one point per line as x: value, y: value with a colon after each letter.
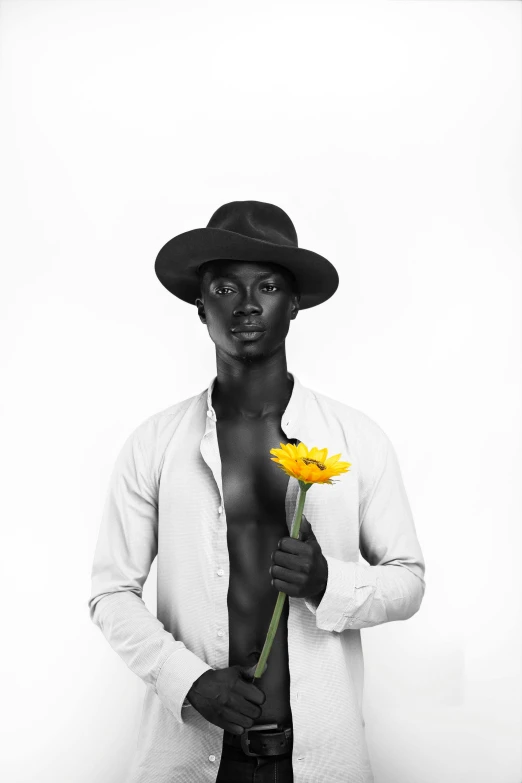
x: 245, y: 231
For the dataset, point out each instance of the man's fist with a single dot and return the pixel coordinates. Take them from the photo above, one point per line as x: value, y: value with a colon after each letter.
x: 299, y: 567
x: 227, y: 697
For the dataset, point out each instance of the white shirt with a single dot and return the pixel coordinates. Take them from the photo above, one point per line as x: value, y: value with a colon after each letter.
x: 165, y: 499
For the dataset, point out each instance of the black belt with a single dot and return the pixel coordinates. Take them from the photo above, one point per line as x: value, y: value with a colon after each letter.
x: 264, y: 739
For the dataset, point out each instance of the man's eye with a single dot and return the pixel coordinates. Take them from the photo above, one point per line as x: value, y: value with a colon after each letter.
x: 226, y: 288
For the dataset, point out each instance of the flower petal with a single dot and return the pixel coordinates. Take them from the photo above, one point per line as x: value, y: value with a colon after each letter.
x: 293, y: 460
x: 290, y: 449
x: 302, y: 451
x: 332, y: 460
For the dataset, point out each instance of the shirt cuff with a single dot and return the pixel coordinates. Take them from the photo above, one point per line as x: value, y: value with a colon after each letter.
x: 177, y: 675
x: 339, y: 600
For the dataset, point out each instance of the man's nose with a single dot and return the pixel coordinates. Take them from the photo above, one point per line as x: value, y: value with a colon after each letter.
x: 248, y: 304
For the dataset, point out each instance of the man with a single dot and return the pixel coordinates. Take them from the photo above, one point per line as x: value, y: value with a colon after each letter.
x: 195, y: 485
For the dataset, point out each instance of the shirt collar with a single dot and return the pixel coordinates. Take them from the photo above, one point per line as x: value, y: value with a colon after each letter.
x: 291, y: 413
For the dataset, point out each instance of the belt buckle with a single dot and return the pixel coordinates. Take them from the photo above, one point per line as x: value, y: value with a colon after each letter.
x: 244, y: 736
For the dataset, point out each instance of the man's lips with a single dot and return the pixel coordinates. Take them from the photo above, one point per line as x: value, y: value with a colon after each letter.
x: 247, y: 328
x: 249, y: 337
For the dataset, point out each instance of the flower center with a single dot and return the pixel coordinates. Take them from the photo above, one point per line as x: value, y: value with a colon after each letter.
x: 307, y: 461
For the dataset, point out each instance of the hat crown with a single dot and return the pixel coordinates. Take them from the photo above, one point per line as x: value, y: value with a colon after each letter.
x: 256, y: 219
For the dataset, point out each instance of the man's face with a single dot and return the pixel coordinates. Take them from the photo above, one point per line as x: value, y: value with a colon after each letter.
x: 235, y: 292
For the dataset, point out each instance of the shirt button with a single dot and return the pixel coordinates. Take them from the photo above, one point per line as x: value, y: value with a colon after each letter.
x: 212, y: 758
x: 220, y: 632
x: 220, y: 572
x: 220, y: 510
x: 209, y: 414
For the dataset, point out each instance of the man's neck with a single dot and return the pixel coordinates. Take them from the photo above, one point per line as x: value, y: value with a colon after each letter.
x: 251, y: 390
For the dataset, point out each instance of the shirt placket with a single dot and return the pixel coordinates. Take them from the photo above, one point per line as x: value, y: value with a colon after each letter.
x: 219, y: 548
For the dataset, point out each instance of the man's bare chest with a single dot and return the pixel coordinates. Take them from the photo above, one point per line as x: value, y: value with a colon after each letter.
x: 254, y: 487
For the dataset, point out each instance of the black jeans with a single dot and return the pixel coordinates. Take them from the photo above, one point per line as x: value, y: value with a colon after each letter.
x: 237, y: 767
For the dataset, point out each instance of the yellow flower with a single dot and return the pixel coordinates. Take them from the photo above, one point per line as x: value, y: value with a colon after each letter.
x: 309, y: 466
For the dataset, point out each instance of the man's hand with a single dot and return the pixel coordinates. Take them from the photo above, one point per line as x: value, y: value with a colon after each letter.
x: 228, y: 697
x: 299, y: 567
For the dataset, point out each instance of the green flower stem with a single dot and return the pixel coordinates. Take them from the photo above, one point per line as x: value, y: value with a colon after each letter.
x: 274, y: 623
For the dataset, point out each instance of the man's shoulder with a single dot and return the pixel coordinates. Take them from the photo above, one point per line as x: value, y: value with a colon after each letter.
x: 160, y: 426
x: 176, y: 410
x: 367, y: 442
x: 354, y: 421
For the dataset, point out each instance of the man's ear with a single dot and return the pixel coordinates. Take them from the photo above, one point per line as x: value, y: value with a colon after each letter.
x: 201, y: 310
x: 295, y: 308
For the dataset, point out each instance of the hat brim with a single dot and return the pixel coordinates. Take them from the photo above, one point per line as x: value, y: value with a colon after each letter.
x: 178, y: 259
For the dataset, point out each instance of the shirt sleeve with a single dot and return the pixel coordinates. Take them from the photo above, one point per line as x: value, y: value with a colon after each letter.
x: 126, y: 548
x: 392, y: 586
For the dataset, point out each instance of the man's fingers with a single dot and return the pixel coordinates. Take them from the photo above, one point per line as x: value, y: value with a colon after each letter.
x: 287, y: 588
x: 292, y: 545
x: 231, y: 716
x: 244, y: 706
x: 292, y: 577
x: 292, y: 562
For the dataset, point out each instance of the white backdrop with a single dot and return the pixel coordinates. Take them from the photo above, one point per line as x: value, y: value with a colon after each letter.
x: 390, y: 133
